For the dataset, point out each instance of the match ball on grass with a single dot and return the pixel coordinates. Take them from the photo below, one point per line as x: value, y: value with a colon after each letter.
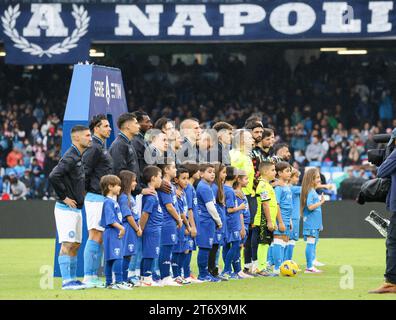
x: 289, y: 268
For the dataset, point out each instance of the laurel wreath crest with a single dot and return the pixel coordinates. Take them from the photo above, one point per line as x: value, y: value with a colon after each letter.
x: 9, y: 21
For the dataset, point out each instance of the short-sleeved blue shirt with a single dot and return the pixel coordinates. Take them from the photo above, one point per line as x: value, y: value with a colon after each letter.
x: 164, y: 199
x: 233, y: 219
x: 285, y: 200
x: 150, y: 205
x: 204, y: 195
x: 296, y: 191
x: 312, y: 219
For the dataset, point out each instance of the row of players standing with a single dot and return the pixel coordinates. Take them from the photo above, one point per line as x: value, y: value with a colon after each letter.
x: 83, y: 167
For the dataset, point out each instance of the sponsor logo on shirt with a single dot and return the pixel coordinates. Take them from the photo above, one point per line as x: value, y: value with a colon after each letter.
x: 72, y: 234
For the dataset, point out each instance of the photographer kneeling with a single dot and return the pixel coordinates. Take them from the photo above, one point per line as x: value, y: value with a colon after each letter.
x: 385, y: 170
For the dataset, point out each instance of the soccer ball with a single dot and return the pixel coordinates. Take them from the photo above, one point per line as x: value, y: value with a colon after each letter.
x: 289, y: 268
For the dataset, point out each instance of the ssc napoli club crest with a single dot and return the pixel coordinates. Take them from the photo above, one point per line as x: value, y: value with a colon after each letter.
x: 173, y: 237
x: 159, y: 209
x: 72, y: 234
x: 218, y: 237
x: 157, y: 250
x: 130, y: 247
x: 236, y: 233
x: 190, y: 243
x: 117, y: 251
x: 211, y: 241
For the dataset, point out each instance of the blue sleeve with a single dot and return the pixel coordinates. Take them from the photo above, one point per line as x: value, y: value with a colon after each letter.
x: 230, y: 199
x: 109, y: 213
x: 189, y: 197
x: 149, y: 205
x: 296, y: 190
x: 165, y: 198
x: 278, y: 193
x: 388, y: 167
x: 123, y: 202
x: 312, y: 198
x: 206, y: 194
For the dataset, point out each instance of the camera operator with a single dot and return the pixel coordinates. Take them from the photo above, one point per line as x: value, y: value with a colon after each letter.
x: 385, y: 170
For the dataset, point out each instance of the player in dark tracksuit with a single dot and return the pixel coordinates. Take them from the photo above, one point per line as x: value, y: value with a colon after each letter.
x: 68, y: 181
x: 97, y: 163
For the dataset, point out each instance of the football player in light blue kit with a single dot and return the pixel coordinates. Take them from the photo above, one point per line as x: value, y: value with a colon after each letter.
x: 130, y: 220
x: 171, y: 223
x: 113, y: 233
x: 310, y: 206
x: 284, y: 198
x: 209, y: 220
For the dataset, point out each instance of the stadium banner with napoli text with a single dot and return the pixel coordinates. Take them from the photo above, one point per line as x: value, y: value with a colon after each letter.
x: 40, y: 33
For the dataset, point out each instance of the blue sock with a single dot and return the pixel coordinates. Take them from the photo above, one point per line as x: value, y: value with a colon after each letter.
x: 277, y: 253
x: 225, y: 250
x: 289, y: 250
x: 164, y: 260
x: 231, y: 256
x: 91, y: 252
x: 125, y: 265
x: 310, y: 254
x: 73, y: 268
x: 186, y: 266
x: 236, y: 264
x: 98, y: 260
x: 146, y: 266
x: 284, y: 245
x: 117, y: 269
x: 175, y: 264
x: 270, y: 259
x: 64, y: 265
x: 203, y: 259
x: 181, y: 261
x: 109, y: 272
x: 155, y: 269
x: 132, y: 265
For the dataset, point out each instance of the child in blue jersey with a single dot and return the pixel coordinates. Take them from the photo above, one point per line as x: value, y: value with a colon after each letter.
x: 193, y: 218
x: 295, y: 232
x: 130, y: 219
x: 284, y: 198
x: 209, y: 220
x: 150, y: 223
x: 310, y: 207
x: 234, y: 225
x: 182, y: 248
x: 113, y: 233
x: 220, y: 234
x: 242, y: 181
x: 171, y: 223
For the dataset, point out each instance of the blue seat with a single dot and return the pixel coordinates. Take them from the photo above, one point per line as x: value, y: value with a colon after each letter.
x: 336, y: 169
x: 315, y: 164
x: 324, y: 169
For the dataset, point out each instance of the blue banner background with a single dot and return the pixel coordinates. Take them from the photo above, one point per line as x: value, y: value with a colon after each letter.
x: 103, y: 20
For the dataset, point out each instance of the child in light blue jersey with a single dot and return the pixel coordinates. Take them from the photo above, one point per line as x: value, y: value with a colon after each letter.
x: 130, y: 220
x: 294, y: 233
x: 285, y: 200
x: 113, y: 234
x: 182, y: 248
x: 310, y: 207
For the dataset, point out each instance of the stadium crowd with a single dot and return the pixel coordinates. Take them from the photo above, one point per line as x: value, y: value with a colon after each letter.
x: 326, y: 109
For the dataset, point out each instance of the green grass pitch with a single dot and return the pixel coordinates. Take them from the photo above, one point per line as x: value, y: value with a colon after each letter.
x: 353, y: 266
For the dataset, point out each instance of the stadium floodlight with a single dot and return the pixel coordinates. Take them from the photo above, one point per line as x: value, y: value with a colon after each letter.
x: 2, y: 54
x: 332, y: 49
x: 95, y: 54
x: 352, y: 52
